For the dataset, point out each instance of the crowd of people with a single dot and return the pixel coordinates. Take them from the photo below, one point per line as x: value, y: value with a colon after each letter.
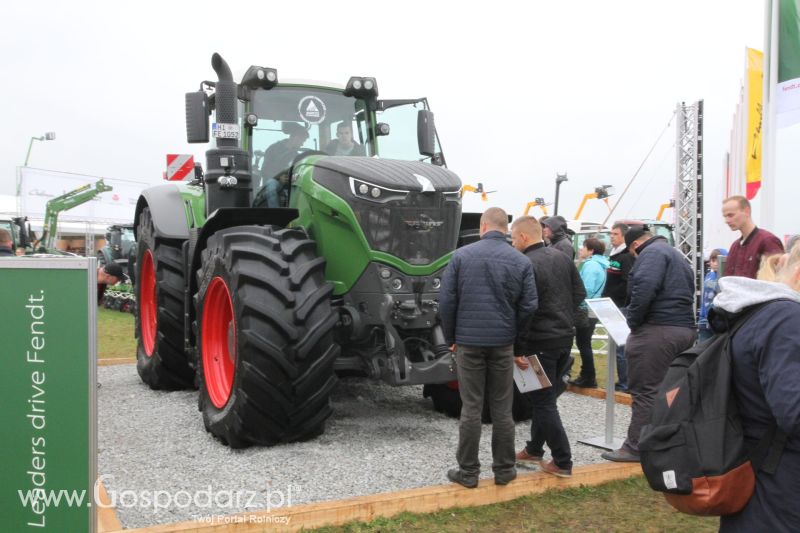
x: 499, y: 305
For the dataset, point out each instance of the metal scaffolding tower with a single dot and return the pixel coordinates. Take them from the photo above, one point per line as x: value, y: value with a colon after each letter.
x: 689, y: 189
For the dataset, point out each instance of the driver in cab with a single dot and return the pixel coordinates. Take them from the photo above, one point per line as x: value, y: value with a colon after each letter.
x: 277, y: 159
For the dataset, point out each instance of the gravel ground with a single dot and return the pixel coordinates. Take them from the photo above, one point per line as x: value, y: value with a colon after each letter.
x: 379, y: 439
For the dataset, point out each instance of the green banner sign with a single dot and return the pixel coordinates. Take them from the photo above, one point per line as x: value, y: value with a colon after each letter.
x: 48, y: 385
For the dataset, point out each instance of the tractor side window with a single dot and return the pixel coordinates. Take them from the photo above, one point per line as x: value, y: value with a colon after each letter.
x: 401, y: 143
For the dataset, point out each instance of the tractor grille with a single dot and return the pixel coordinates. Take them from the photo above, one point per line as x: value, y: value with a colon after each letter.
x: 419, y: 230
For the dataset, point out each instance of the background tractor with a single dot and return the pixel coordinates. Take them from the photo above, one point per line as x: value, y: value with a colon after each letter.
x: 120, y: 240
x: 260, y: 305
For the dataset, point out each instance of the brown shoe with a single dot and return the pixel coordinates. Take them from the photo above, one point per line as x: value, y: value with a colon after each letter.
x: 551, y: 468
x: 525, y: 458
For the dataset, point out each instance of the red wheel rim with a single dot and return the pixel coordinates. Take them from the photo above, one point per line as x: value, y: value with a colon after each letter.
x: 218, y: 339
x: 452, y: 385
x: 148, y: 306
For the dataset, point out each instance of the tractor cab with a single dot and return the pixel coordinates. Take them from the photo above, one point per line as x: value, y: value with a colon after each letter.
x: 18, y: 228
x: 290, y: 121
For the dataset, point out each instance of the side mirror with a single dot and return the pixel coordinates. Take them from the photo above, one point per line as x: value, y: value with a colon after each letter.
x: 197, y: 112
x: 426, y: 133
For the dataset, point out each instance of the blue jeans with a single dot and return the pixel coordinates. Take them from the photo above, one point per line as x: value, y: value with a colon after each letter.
x: 704, y: 332
x: 622, y: 367
x: 622, y: 362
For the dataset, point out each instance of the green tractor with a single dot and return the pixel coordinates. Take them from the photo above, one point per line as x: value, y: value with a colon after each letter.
x: 283, y: 266
x: 119, y: 243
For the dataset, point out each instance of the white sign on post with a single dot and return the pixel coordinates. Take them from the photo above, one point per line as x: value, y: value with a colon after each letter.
x: 611, y: 317
x: 616, y: 325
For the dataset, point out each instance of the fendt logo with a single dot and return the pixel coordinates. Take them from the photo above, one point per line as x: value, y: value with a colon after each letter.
x: 424, y: 223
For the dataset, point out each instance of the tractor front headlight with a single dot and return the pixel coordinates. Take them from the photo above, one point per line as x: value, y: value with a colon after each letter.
x: 374, y: 193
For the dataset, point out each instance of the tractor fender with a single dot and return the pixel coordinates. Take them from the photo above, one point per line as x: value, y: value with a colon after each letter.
x: 167, y: 211
x: 226, y: 217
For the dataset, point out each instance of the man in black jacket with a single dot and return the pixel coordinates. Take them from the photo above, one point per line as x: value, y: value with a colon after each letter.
x: 549, y: 336
x: 661, y: 318
x: 619, y: 267
x: 487, y: 295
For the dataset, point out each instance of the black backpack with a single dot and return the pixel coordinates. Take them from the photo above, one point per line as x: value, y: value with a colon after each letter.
x: 693, y: 450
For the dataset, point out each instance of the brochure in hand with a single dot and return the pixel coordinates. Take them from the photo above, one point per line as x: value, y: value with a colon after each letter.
x: 532, y: 378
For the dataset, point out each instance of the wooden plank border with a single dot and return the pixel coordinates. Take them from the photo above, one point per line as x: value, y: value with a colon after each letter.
x: 107, y: 519
x: 421, y: 500
x: 111, y: 361
x: 619, y: 397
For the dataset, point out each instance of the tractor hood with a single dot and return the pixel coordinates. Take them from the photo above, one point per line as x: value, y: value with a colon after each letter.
x: 408, y: 209
x: 393, y: 174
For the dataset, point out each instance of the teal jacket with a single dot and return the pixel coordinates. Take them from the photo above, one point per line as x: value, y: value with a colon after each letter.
x: 593, y: 274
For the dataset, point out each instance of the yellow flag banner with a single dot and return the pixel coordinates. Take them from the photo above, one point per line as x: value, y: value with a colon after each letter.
x: 755, y: 76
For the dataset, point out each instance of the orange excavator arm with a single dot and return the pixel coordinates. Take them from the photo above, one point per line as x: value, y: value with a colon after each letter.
x: 664, y: 207
x: 602, y: 193
x: 536, y: 202
x: 479, y: 189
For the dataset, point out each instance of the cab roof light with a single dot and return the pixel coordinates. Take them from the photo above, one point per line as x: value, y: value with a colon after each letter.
x: 361, y: 87
x: 260, y: 78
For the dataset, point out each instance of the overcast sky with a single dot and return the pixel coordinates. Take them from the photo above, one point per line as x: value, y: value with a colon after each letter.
x: 520, y: 91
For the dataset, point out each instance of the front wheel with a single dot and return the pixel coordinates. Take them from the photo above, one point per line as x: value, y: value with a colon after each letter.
x: 160, y: 358
x: 265, y: 337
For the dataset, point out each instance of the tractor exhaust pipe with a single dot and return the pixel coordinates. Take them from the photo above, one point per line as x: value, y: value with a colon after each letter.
x: 227, y: 178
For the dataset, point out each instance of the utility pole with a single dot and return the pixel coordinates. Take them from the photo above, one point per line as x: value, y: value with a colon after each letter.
x: 560, y: 178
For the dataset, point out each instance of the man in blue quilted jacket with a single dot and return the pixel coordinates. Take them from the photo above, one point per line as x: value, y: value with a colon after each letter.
x: 488, y: 293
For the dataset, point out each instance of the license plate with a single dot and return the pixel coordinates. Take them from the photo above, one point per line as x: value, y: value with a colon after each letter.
x: 224, y: 131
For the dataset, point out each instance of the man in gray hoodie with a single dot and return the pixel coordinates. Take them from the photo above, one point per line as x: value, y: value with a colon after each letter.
x: 555, y: 234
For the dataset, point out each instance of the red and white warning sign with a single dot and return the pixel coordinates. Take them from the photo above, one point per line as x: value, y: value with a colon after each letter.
x: 179, y: 166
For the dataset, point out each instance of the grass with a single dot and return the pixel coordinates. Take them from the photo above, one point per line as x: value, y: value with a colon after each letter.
x: 114, y: 334
x: 627, y: 505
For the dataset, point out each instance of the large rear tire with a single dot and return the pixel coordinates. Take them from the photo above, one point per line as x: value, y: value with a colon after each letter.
x: 265, y: 337
x: 160, y: 358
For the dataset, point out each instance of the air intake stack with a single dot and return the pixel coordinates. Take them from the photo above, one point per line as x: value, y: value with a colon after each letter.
x: 227, y: 178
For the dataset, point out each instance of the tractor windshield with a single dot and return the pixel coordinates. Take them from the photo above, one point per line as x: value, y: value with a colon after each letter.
x: 127, y: 234
x: 292, y: 120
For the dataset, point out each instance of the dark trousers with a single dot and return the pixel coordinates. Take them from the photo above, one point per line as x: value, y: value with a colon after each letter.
x: 486, y: 370
x: 583, y: 339
x: 650, y: 350
x: 546, y: 426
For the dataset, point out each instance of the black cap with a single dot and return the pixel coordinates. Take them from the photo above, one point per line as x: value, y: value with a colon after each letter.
x: 114, y: 269
x: 633, y: 233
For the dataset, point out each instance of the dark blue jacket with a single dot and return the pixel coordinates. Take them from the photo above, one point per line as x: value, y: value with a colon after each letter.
x: 660, y: 287
x: 765, y: 355
x: 488, y: 293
